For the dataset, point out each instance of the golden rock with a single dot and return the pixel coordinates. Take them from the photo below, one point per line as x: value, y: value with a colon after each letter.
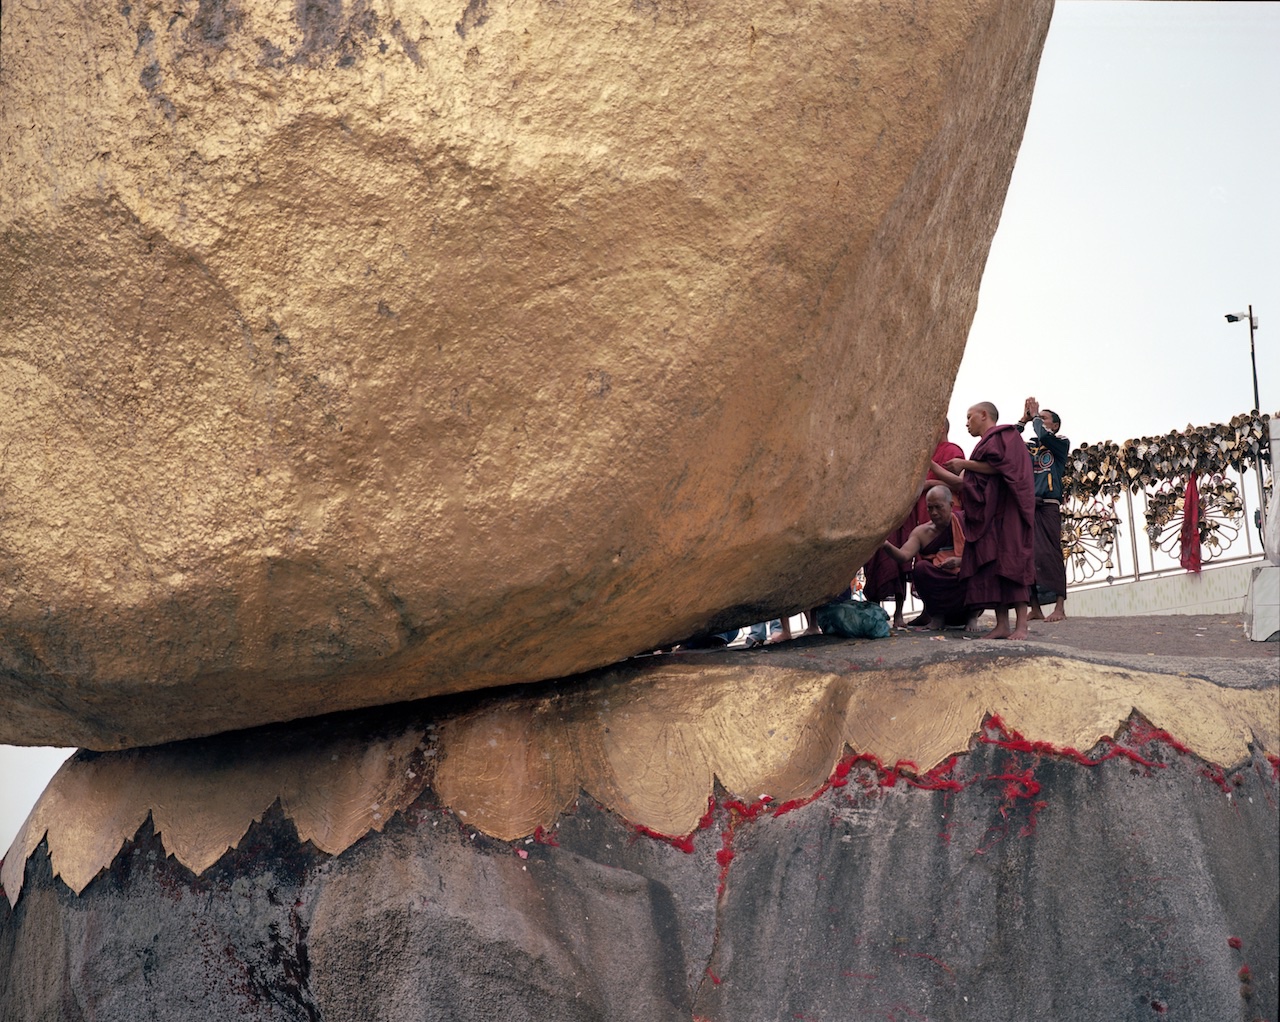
x: 359, y: 353
x: 647, y: 739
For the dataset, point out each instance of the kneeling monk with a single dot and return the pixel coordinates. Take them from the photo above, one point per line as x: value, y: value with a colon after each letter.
x: 937, y: 546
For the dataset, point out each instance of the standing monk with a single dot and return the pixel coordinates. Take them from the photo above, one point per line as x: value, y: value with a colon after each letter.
x: 944, y: 451
x: 999, y: 514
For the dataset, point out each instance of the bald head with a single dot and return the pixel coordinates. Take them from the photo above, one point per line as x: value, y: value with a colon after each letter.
x: 938, y: 504
x: 981, y: 417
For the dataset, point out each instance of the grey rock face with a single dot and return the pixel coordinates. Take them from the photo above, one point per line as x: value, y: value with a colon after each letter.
x: 1021, y: 886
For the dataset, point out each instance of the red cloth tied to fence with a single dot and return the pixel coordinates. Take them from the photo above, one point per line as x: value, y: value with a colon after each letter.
x: 1190, y: 558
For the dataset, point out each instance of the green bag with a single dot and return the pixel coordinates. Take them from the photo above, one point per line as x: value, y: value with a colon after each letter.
x: 854, y: 619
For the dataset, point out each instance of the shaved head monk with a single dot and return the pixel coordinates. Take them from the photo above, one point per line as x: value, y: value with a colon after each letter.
x: 999, y: 498
x: 938, y: 548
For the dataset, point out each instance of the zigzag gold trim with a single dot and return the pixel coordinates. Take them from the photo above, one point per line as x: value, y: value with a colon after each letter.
x: 645, y: 741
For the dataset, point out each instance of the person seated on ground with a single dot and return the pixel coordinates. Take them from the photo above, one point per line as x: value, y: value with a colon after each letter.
x: 937, y: 547
x: 886, y: 578
x: 943, y: 451
x: 810, y: 620
x: 758, y: 634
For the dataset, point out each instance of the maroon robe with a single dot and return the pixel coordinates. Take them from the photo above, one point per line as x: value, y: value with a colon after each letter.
x: 942, y: 592
x: 999, y: 516
x: 943, y: 453
x: 886, y: 578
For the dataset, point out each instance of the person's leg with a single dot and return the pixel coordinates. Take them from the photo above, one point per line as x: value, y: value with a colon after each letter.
x: 1002, y: 630
x: 1035, y: 614
x: 784, y: 632
x: 1059, y: 610
x: 898, y: 620
x: 1020, y: 623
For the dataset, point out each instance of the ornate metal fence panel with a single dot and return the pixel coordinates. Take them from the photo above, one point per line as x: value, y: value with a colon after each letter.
x: 1136, y: 491
x: 1124, y: 509
x: 1090, y: 531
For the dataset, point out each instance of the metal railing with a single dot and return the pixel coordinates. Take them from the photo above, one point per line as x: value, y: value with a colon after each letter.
x: 1134, y: 536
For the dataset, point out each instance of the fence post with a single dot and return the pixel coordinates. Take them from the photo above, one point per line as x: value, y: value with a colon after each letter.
x: 1133, y: 534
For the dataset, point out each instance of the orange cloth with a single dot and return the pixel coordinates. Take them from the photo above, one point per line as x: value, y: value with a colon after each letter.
x: 957, y: 539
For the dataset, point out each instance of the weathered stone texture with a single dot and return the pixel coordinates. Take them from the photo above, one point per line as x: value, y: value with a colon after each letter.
x: 650, y: 739
x: 1023, y: 886
x: 354, y: 353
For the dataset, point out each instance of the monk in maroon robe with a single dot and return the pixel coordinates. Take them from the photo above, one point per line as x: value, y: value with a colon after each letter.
x: 944, y: 451
x: 886, y: 578
x: 998, y: 491
x: 937, y: 547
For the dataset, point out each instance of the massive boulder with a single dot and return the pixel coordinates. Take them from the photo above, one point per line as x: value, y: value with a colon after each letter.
x: 355, y: 353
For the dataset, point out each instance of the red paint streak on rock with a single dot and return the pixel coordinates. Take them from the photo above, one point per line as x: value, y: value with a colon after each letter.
x: 545, y: 837
x: 1139, y: 731
x: 1217, y: 776
x: 713, y: 977
x: 796, y: 803
x: 682, y: 842
x: 936, y: 779
x: 1235, y: 942
x: 1016, y: 788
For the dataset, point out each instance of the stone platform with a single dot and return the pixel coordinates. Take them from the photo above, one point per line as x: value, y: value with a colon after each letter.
x: 1080, y: 826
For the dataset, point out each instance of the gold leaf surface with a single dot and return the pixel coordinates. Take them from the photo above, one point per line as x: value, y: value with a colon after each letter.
x: 647, y: 742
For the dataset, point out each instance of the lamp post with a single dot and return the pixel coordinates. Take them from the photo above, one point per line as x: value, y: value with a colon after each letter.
x: 1235, y: 317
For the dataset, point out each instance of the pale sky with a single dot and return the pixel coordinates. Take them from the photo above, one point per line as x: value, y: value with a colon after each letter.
x: 1142, y: 209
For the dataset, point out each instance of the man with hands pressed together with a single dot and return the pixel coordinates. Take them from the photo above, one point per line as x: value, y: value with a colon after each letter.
x: 1048, y: 459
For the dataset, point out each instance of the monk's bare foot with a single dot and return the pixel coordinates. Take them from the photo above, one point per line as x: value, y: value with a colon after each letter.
x: 999, y: 632
x: 1059, y: 614
x: 937, y: 624
x: 1019, y: 633
x: 971, y: 627
x: 1036, y: 614
x: 811, y: 630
